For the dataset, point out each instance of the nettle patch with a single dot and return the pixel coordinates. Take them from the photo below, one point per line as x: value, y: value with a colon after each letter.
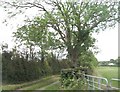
x: 73, y: 77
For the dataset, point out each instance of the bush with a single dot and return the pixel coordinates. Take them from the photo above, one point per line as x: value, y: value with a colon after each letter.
x: 71, y: 78
x: 16, y: 69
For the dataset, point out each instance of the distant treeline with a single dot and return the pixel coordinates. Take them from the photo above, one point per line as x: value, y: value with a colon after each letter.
x: 111, y: 62
x: 17, y: 68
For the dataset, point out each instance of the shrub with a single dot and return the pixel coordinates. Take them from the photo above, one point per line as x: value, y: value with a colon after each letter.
x: 71, y: 78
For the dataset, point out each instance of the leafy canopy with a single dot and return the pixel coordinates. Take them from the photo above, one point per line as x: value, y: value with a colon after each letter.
x: 68, y: 24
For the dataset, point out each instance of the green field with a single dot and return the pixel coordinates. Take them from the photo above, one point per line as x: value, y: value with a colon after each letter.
x: 109, y: 73
x: 52, y: 82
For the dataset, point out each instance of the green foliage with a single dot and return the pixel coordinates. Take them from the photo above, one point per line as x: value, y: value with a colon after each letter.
x: 88, y: 59
x: 72, y: 78
x: 72, y: 24
x: 67, y: 25
x: 16, y: 68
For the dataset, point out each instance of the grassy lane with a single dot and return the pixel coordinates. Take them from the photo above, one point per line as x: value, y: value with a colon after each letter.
x: 53, y: 86
x: 41, y: 83
x: 27, y: 84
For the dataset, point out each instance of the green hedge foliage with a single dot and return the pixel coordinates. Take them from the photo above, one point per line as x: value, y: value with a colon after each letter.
x: 73, y: 77
x: 18, y: 69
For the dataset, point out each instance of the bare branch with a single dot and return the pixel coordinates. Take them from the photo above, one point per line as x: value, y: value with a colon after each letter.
x: 28, y: 5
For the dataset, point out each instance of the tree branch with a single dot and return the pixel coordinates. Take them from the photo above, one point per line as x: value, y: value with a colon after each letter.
x: 58, y: 30
x: 29, y: 5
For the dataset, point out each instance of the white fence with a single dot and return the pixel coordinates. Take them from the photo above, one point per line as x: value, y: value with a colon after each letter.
x: 112, y: 87
x: 99, y: 83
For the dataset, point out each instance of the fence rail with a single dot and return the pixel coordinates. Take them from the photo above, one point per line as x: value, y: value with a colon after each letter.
x: 99, y: 83
x: 114, y: 79
x: 95, y: 82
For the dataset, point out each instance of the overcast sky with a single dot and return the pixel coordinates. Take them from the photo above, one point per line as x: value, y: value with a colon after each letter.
x: 107, y: 40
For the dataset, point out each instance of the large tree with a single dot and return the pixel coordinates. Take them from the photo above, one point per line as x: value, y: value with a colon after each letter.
x: 74, y: 22
x: 35, y: 34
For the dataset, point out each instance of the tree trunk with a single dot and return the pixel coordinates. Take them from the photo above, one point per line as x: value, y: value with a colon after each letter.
x: 73, y: 55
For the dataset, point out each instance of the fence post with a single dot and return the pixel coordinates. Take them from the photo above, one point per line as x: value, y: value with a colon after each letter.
x: 99, y: 86
x: 88, y: 82
x: 93, y: 83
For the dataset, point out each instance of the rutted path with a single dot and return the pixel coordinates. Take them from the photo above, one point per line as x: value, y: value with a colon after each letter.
x: 43, y: 88
x: 43, y: 83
